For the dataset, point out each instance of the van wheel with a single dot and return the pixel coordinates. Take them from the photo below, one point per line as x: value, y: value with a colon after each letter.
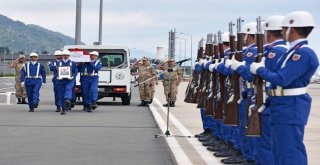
x: 126, y: 100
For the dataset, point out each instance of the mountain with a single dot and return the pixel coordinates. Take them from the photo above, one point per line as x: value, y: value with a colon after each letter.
x: 18, y: 36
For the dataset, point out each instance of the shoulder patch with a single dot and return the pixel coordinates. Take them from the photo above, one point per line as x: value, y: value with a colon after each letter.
x: 296, y: 57
x: 271, y: 55
x: 249, y: 54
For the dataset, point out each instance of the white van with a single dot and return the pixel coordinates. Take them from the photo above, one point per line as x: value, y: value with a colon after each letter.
x: 114, y: 77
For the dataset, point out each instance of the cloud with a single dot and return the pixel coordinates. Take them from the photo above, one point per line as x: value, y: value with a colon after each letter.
x: 131, y: 19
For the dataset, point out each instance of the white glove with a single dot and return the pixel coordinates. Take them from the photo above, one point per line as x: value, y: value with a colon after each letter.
x: 211, y: 67
x: 218, y: 63
x: 43, y: 84
x: 70, y: 78
x: 22, y: 84
x: 236, y: 64
x: 228, y: 63
x: 255, y: 66
x: 261, y: 109
x: 49, y: 62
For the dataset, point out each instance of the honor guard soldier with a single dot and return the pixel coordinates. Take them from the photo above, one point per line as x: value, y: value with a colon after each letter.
x: 53, y: 68
x: 33, y: 75
x: 145, y: 80
x: 89, y: 72
x: 276, y: 49
x: 67, y: 72
x: 20, y: 90
x: 290, y: 103
x: 172, y: 78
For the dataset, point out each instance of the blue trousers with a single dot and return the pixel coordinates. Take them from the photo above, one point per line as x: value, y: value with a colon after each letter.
x: 207, y: 121
x: 65, y: 88
x: 32, y: 89
x: 264, y: 143
x: 56, y: 93
x: 287, y: 144
x: 90, y: 86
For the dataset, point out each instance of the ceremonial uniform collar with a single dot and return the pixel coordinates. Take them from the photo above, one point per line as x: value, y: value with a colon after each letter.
x: 294, y: 43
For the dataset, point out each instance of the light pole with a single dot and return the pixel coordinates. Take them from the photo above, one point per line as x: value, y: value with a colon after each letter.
x: 185, y: 53
x: 190, y: 47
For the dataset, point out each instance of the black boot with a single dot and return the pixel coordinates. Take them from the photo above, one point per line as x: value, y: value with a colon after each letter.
x: 58, y: 109
x: 205, y: 132
x: 89, y: 108
x: 19, y: 101
x: 235, y: 159
x: 147, y: 103
x: 248, y: 162
x: 31, y: 109
x: 94, y: 105
x: 172, y: 104
x: 143, y: 103
x: 67, y: 104
x: 35, y: 105
x: 63, y: 112
x: 24, y: 101
x: 166, y: 105
x: 151, y: 100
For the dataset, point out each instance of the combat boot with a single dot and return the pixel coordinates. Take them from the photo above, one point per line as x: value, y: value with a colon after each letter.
x: 147, y: 103
x: 204, y: 133
x: 19, y: 101
x: 172, y: 104
x: 67, y: 104
x: 166, y: 105
x: 89, y: 108
x: 35, y: 105
x: 94, y: 105
x: 143, y: 103
x: 151, y: 100
x: 24, y: 101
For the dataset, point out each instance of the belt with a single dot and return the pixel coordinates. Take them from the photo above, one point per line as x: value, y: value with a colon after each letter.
x: 288, y: 92
x: 34, y: 77
x: 90, y: 74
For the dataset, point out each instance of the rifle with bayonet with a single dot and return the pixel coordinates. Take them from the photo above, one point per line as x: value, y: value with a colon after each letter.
x: 206, y: 82
x: 193, y: 84
x: 254, y: 122
x: 198, y: 88
x: 232, y: 111
x: 211, y: 103
x: 222, y: 83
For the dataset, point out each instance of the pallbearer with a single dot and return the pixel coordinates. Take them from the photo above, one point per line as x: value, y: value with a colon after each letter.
x: 67, y: 72
x: 33, y: 75
x: 53, y: 68
x: 89, y: 72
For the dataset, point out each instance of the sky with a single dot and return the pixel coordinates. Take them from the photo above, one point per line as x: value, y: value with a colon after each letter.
x: 144, y: 24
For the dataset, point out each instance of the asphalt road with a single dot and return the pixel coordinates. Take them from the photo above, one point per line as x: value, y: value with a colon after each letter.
x: 113, y: 134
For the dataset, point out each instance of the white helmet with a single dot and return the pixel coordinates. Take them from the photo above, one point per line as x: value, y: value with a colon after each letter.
x: 249, y: 28
x: 33, y: 54
x: 66, y: 52
x: 58, y: 53
x: 298, y: 19
x: 94, y: 53
x: 225, y: 37
x: 273, y: 23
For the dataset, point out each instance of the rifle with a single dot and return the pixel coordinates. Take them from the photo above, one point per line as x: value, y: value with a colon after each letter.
x: 206, y: 76
x: 190, y: 91
x: 211, y: 103
x: 197, y: 92
x: 222, y: 83
x: 232, y: 111
x: 254, y: 122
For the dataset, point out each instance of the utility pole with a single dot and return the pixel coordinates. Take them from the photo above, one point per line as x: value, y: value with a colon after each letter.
x: 78, y: 23
x: 100, y: 22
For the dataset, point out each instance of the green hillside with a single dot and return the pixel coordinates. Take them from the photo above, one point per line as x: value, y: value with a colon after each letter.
x: 17, y: 36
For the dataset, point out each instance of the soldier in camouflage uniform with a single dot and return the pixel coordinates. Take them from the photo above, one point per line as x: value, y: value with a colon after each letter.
x: 20, y: 90
x: 172, y: 78
x: 145, y: 72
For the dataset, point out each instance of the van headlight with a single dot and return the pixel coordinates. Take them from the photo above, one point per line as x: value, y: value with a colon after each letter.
x: 119, y: 76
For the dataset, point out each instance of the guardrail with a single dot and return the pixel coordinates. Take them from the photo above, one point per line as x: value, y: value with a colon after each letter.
x: 8, y: 97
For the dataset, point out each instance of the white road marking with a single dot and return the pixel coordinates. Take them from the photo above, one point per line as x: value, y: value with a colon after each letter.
x: 206, y: 155
x: 179, y: 154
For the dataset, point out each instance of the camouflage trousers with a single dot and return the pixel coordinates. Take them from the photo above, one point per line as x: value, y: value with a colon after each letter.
x: 174, y: 90
x: 145, y: 91
x: 20, y: 91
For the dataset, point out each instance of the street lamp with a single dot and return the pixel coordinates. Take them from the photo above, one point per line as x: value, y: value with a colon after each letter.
x: 190, y: 47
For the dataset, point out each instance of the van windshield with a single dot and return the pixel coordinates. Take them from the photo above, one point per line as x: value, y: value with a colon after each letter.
x: 111, y: 60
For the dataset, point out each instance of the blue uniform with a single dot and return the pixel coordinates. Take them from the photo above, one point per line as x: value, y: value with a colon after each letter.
x: 264, y: 154
x: 89, y: 81
x: 290, y: 110
x: 33, y: 75
x: 248, y: 144
x: 53, y: 68
x: 66, y: 86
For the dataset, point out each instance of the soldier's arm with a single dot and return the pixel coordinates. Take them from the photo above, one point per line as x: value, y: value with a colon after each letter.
x: 13, y: 64
x: 161, y: 66
x: 43, y: 74
x: 23, y: 74
x: 96, y: 65
x: 74, y: 70
x: 135, y: 65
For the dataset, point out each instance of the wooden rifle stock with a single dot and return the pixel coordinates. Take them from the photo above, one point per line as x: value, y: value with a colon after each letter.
x: 210, y: 105
x: 254, y: 122
x: 222, y: 80
x: 232, y: 111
